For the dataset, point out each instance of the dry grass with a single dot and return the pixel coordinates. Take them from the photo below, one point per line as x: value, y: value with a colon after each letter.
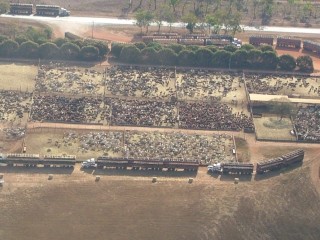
x: 17, y: 77
x: 264, y: 129
x: 283, y: 207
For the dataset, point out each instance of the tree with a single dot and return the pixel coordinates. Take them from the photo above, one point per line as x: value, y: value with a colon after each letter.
x: 116, y: 49
x: 140, y: 45
x: 78, y: 42
x: 191, y: 21
x: 143, y: 19
x: 305, y: 64
x: 212, y: 48
x: 193, y: 48
x: 89, y: 53
x: 221, y: 59
x: 239, y: 59
x: 170, y: 18
x: 161, y: 14
x: 28, y: 49
x: 70, y: 51
x: 269, y: 60
x: 4, y: 7
x: 3, y: 38
x: 186, y: 58
x: 177, y: 48
x: 247, y: 47
x: 233, y: 22
x: 173, y: 4
x: 287, y: 62
x: 267, y: 11
x: 255, y: 60
x: 167, y: 57
x: 60, y: 41
x: 281, y: 107
x: 230, y: 48
x: 156, y: 46
x: 265, y: 48
x: 101, y: 45
x: 48, y: 50
x: 149, y: 56
x: 8, y: 48
x: 21, y: 39
x: 204, y: 57
x: 130, y: 54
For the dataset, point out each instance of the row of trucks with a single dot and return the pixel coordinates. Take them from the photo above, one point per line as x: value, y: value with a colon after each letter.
x: 39, y: 10
x: 285, y: 160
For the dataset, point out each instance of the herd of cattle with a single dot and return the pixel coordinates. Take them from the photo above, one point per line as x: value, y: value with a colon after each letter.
x: 34, y: 160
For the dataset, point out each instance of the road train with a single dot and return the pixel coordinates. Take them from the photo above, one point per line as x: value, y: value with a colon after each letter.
x: 35, y: 160
x: 39, y: 10
x: 141, y: 164
x: 262, y: 167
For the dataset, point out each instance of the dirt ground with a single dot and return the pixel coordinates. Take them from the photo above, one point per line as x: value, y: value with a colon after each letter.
x: 119, y: 207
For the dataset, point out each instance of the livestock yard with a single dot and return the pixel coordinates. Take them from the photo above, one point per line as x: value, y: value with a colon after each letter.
x: 170, y: 124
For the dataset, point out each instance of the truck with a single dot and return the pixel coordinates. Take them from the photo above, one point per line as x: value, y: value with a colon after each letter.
x: 51, y: 10
x: 215, y: 168
x: 39, y: 9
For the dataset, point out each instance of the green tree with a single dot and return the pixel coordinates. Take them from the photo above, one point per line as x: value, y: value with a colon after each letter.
x: 4, y: 7
x: 282, y: 108
x: 204, y: 57
x: 8, y: 48
x: 212, y: 48
x: 221, y: 59
x: 265, y: 48
x: 28, y: 49
x: 173, y: 4
x: 177, y: 48
x: 130, y: 54
x: 149, y: 56
x: 247, y: 47
x: 116, y: 49
x: 101, y: 45
x: 70, y: 51
x: 305, y: 64
x: 191, y: 21
x: 78, y: 42
x: 140, y: 45
x: 230, y: 48
x: 255, y: 59
x: 21, y: 39
x: 239, y: 59
x: 287, y: 63
x: 193, y: 48
x: 3, y: 38
x: 89, y: 53
x: 187, y: 58
x: 269, y: 60
x: 167, y: 57
x: 60, y: 41
x: 155, y: 45
x: 143, y: 19
x: 48, y: 50
x: 266, y: 11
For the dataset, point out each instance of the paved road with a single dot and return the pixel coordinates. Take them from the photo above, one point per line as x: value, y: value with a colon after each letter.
x: 89, y: 21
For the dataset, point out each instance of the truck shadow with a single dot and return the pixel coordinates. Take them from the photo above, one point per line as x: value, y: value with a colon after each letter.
x: 140, y: 173
x: 231, y: 177
x: 35, y: 170
x: 267, y: 175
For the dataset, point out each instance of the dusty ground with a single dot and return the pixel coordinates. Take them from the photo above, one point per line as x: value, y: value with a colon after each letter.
x: 286, y: 206
x: 17, y: 77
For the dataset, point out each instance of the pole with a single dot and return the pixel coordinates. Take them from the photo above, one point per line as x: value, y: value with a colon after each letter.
x: 92, y: 29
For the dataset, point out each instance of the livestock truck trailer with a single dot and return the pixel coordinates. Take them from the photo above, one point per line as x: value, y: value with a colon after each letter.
x: 39, y: 10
